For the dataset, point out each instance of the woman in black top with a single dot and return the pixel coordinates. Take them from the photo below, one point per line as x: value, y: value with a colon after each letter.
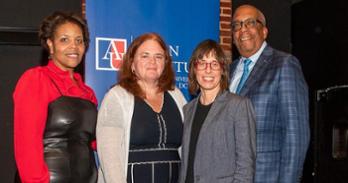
x: 219, y: 127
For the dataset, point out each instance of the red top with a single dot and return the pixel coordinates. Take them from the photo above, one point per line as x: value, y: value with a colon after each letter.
x: 33, y: 93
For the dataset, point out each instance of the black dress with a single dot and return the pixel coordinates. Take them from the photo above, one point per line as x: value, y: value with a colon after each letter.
x: 154, y: 142
x: 70, y: 128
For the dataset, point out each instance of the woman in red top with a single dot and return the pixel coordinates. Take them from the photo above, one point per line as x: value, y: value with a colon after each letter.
x: 54, y: 111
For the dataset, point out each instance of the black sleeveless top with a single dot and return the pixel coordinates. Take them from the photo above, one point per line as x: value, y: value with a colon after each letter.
x: 70, y: 129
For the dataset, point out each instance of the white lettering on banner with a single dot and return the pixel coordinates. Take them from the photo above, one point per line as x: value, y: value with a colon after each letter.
x: 183, y: 85
x: 180, y: 66
x: 173, y: 50
x: 110, y: 52
x: 182, y: 82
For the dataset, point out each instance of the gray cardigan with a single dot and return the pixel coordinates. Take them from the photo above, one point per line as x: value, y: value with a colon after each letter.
x: 113, y: 130
x: 226, y: 145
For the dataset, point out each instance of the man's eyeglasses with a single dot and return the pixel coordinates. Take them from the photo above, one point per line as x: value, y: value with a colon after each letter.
x: 248, y: 23
x: 202, y: 65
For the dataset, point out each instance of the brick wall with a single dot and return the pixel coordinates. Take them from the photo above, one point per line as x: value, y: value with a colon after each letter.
x: 225, y: 26
x: 83, y: 7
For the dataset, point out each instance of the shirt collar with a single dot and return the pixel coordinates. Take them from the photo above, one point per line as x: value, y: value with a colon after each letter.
x: 256, y: 56
x: 54, y: 68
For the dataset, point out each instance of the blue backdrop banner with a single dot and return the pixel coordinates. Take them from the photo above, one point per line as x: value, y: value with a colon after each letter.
x: 113, y: 24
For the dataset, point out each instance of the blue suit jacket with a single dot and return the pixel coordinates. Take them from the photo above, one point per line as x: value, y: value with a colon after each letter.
x: 279, y: 93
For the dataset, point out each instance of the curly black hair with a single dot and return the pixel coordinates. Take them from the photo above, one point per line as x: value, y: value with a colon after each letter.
x: 50, y: 24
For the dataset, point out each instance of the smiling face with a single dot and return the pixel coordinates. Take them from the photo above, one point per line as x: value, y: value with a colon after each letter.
x: 67, y: 47
x: 149, y: 61
x: 249, y: 40
x: 209, y: 79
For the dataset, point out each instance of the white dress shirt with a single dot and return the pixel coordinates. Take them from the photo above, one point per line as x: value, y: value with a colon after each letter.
x: 239, y: 70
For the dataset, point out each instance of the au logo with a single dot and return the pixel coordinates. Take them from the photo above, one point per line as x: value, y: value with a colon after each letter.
x: 109, y: 53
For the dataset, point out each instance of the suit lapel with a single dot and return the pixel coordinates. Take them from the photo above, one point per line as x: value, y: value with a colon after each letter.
x: 208, y: 120
x: 258, y: 70
x: 189, y: 112
x: 215, y: 108
x: 233, y: 67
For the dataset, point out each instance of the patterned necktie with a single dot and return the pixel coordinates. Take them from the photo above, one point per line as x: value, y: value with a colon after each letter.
x: 245, y: 74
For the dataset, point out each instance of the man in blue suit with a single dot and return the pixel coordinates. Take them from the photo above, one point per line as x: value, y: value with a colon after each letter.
x: 274, y: 82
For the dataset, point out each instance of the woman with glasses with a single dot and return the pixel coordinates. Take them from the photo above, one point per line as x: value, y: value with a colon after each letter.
x: 139, y: 126
x: 219, y: 127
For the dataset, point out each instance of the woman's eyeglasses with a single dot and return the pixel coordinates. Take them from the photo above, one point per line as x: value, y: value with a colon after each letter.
x: 202, y: 65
